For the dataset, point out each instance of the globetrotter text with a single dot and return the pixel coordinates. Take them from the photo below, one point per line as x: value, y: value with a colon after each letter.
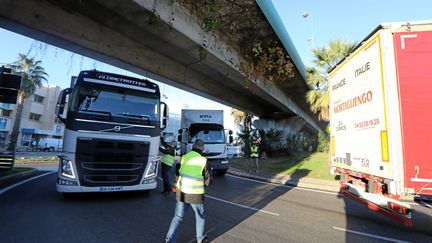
x: 351, y: 103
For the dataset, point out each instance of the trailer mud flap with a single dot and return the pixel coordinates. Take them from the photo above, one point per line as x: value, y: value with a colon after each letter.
x: 393, y: 209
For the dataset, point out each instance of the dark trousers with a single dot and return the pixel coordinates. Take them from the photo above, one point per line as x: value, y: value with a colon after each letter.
x: 166, y: 177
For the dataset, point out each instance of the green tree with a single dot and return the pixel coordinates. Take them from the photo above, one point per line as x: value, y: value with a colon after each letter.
x: 33, y: 74
x: 325, y: 58
x: 244, y: 121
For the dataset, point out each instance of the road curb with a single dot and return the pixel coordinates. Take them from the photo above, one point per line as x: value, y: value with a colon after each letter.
x: 316, y: 184
x: 9, y: 179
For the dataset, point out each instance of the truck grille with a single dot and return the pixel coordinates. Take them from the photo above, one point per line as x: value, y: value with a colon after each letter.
x: 102, y: 162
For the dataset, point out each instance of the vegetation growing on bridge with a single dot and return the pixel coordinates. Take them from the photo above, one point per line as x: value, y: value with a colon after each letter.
x: 242, y: 25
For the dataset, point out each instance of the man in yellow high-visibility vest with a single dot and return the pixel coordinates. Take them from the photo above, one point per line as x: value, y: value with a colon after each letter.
x: 194, y: 174
x: 168, y: 158
x: 254, y: 155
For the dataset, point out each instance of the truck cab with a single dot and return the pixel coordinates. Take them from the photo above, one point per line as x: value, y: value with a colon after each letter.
x: 112, y: 133
x: 206, y: 125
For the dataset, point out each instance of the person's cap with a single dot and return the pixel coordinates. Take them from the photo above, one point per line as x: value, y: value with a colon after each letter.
x: 172, y: 144
x: 199, y: 144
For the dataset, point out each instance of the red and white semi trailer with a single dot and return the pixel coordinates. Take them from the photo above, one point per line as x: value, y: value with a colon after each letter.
x: 381, y: 120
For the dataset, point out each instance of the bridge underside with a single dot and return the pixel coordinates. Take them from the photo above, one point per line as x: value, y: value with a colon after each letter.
x: 157, y: 39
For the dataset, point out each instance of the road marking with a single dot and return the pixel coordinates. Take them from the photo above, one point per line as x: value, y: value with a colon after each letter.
x: 236, y: 204
x: 424, y: 204
x: 242, y: 206
x: 280, y: 185
x: 369, y: 235
x: 22, y: 182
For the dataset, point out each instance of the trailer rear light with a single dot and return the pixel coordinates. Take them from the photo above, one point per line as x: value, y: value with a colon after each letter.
x: 398, y: 208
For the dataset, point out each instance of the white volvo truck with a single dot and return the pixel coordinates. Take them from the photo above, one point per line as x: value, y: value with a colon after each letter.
x: 207, y: 125
x: 112, y: 128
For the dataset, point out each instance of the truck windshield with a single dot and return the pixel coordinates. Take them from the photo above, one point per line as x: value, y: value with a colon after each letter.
x: 114, y: 101
x: 206, y: 132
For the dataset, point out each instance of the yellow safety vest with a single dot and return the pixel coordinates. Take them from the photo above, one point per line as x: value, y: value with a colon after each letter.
x: 190, y: 179
x: 254, y: 151
x: 168, y: 159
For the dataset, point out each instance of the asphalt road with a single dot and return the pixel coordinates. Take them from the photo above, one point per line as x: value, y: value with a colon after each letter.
x: 237, y: 210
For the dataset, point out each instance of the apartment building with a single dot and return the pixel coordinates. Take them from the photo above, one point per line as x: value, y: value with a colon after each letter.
x: 38, y: 119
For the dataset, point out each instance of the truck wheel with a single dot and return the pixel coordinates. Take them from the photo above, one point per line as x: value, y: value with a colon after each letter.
x: 51, y: 149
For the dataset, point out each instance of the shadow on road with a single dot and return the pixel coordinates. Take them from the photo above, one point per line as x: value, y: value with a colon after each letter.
x: 223, y: 216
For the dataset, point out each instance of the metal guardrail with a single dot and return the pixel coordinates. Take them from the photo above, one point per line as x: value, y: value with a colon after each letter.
x: 7, y: 160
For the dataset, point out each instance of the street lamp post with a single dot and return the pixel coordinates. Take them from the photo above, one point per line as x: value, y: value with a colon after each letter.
x: 310, y: 16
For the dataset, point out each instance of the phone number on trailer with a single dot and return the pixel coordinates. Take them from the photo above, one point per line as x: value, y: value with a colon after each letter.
x: 369, y: 123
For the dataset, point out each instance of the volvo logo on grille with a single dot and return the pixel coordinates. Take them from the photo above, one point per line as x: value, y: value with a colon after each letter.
x: 117, y: 128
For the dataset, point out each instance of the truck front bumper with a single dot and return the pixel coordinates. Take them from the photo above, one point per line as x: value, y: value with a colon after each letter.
x: 218, y: 164
x: 77, y: 189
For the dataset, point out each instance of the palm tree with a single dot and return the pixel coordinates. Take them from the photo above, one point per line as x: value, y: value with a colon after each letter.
x: 32, y: 74
x: 325, y: 58
x: 239, y: 116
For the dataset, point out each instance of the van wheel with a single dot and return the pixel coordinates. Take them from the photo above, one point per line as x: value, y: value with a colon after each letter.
x: 51, y: 149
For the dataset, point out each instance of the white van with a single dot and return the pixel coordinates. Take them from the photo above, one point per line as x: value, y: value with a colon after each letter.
x: 50, y: 144
x: 234, y: 151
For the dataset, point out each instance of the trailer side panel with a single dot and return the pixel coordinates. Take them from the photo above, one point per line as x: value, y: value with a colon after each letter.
x: 414, y: 66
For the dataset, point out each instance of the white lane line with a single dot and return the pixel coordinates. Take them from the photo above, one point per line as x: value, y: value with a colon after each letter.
x: 22, y: 182
x: 280, y: 185
x: 424, y: 204
x: 242, y: 206
x: 370, y: 235
x: 236, y: 204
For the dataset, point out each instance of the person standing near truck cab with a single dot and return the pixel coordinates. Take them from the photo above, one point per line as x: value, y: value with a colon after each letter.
x: 168, y: 158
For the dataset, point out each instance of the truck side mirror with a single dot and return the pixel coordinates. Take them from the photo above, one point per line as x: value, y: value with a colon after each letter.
x: 165, y: 115
x: 61, y: 103
x: 230, y: 137
x: 179, y: 136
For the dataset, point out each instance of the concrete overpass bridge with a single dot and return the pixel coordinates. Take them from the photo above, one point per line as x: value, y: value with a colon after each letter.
x: 172, y: 41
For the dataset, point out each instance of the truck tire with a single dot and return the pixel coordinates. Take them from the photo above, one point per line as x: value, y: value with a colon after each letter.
x: 51, y: 149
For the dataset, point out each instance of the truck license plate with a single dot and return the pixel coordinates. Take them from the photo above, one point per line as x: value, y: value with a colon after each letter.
x: 110, y: 188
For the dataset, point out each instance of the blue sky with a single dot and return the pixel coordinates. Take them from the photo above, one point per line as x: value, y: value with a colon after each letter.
x: 327, y: 20
x: 344, y: 19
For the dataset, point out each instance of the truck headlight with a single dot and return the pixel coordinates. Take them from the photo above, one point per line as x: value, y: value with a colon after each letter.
x: 151, y: 169
x: 66, y: 168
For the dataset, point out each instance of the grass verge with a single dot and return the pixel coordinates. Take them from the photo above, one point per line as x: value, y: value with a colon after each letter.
x: 26, y: 159
x: 300, y: 164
